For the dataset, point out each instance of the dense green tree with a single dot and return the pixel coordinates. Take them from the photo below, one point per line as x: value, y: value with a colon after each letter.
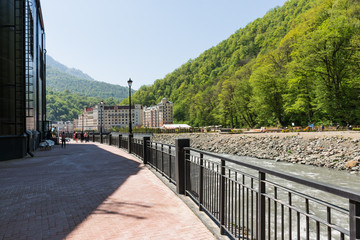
x: 242, y: 97
x: 66, y: 106
x: 298, y: 64
x: 269, y: 85
x: 60, y: 81
x: 324, y: 55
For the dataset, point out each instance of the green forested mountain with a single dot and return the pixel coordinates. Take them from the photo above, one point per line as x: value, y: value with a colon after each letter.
x: 299, y: 63
x: 61, y: 78
x: 66, y: 106
x: 70, y: 90
x: 72, y: 71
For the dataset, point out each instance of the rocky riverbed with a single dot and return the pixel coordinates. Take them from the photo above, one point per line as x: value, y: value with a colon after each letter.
x: 336, y: 150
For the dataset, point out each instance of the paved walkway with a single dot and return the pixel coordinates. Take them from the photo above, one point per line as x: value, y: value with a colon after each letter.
x: 90, y: 191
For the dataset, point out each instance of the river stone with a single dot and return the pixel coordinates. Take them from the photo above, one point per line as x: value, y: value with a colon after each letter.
x: 332, y: 152
x: 351, y: 164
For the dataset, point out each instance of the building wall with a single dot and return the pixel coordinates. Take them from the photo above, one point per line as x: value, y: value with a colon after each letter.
x: 22, y: 74
x: 110, y: 116
x: 157, y: 116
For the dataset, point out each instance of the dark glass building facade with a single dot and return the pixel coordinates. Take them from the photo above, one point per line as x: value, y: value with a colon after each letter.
x: 22, y: 77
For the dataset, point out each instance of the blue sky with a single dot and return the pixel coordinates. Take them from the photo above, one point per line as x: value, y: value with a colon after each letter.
x: 112, y: 40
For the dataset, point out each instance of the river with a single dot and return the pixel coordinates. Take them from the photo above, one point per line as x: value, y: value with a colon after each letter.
x: 340, y: 179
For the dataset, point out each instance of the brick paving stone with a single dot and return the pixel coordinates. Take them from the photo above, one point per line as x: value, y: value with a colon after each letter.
x: 90, y: 191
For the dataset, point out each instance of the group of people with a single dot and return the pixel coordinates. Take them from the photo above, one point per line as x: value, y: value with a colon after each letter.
x: 76, y: 136
x: 82, y: 136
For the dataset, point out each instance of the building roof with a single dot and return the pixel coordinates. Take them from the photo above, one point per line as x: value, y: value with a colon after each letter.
x: 122, y: 107
x: 174, y: 126
x: 165, y: 101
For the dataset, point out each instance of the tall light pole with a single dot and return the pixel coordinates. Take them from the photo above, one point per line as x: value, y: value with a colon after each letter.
x: 82, y: 123
x: 101, y: 122
x: 130, y: 117
x: 130, y: 120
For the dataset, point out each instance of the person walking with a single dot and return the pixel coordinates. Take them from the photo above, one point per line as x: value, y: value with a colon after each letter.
x: 86, y: 136
x: 82, y: 136
x: 63, y: 140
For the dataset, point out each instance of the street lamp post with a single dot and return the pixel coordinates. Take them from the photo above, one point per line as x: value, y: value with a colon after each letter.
x: 130, y: 117
x: 82, y: 123
x: 101, y: 121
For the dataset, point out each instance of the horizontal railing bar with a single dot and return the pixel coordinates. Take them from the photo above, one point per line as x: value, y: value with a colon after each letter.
x: 313, y: 199
x: 310, y: 215
x: 168, y: 145
x: 242, y: 185
x: 242, y: 173
x: 343, y: 192
x: 227, y: 167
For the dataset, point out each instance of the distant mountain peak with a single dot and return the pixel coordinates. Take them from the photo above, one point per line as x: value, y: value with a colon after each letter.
x: 61, y: 78
x: 50, y: 61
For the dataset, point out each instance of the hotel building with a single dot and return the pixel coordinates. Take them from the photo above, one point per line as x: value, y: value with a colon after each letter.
x: 158, y: 115
x: 109, y: 116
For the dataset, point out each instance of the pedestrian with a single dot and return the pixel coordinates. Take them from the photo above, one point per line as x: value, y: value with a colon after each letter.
x: 82, y: 136
x: 63, y: 140
x: 86, y: 136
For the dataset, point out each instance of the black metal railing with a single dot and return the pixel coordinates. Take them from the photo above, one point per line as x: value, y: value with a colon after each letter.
x: 105, y: 138
x: 96, y: 138
x: 137, y: 147
x: 162, y: 158
x: 251, y: 202
x: 124, y: 142
x: 114, y: 140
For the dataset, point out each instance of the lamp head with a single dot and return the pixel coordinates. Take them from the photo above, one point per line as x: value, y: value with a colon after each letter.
x: 130, y: 82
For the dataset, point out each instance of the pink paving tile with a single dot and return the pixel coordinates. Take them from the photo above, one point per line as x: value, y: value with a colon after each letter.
x: 90, y: 191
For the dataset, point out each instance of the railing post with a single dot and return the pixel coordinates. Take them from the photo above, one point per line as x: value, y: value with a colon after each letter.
x: 145, y: 149
x: 156, y: 157
x: 93, y: 137
x: 119, y: 143
x: 129, y: 143
x: 169, y: 163
x: 354, y: 210
x: 162, y: 159
x: 222, y: 198
x: 109, y: 136
x: 101, y: 138
x: 261, y: 207
x: 180, y: 164
x: 201, y: 182
x: 187, y: 172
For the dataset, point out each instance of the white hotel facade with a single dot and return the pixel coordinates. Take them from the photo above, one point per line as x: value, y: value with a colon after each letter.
x: 118, y: 116
x: 109, y: 116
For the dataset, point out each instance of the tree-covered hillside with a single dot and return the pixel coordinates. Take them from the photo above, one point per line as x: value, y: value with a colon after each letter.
x: 66, y: 106
x: 60, y: 81
x: 71, y: 71
x: 298, y: 64
x: 69, y: 90
x: 61, y: 78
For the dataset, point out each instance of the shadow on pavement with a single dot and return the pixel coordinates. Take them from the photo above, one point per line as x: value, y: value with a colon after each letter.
x: 49, y: 195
